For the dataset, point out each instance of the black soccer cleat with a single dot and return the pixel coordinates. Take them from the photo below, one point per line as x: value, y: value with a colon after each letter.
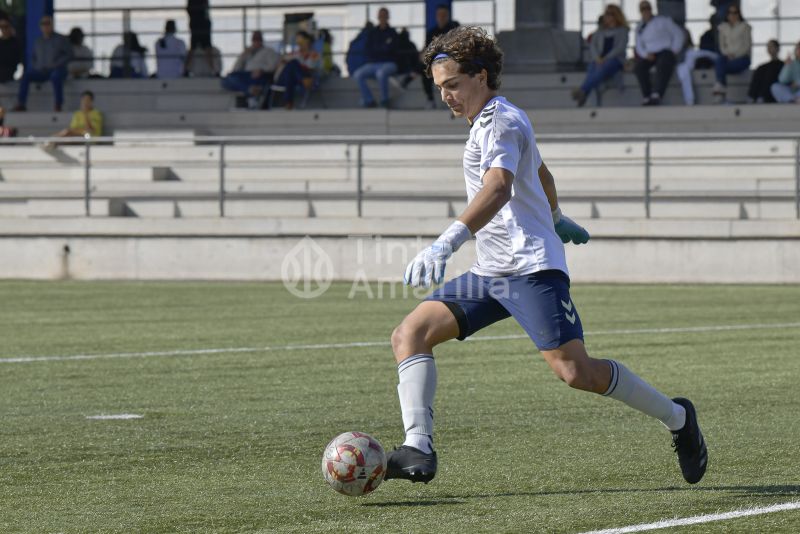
x: 411, y: 464
x: 688, y: 442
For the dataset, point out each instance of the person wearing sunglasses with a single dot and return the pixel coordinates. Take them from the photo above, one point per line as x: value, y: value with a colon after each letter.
x: 735, y: 45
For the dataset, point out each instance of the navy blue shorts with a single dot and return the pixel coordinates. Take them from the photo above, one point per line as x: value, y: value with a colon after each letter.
x: 540, y: 303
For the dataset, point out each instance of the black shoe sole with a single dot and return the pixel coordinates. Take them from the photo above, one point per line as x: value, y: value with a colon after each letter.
x: 422, y: 468
x: 691, y: 419
x: 415, y: 473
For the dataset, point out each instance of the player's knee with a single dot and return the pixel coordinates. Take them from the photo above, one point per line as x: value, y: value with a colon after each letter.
x: 398, y: 337
x: 405, y: 335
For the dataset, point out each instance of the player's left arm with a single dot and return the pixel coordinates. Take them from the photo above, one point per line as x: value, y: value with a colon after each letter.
x: 567, y: 229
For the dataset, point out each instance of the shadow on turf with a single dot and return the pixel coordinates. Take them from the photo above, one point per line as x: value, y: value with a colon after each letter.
x: 785, y: 490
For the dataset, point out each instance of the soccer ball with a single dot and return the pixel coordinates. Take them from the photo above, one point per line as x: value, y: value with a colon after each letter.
x: 354, y: 463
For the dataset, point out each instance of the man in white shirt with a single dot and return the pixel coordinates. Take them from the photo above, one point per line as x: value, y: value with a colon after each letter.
x: 658, y: 42
x: 520, y: 271
x: 170, y: 54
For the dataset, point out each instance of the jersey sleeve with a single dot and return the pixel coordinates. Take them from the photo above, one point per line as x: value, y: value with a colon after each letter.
x: 502, y: 145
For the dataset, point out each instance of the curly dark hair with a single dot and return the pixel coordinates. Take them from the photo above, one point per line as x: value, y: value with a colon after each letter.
x: 473, y: 50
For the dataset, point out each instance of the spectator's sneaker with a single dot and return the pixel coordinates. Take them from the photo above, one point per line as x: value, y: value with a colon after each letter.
x: 580, y: 97
x: 653, y: 101
x: 385, y: 104
x: 410, y: 464
x: 370, y: 105
x: 19, y: 107
x: 688, y: 442
x: 57, y: 108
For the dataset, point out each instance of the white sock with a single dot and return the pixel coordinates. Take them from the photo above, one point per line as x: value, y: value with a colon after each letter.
x: 416, y: 390
x: 628, y: 388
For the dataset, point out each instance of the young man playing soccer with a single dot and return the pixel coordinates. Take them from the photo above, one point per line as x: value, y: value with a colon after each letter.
x: 520, y: 271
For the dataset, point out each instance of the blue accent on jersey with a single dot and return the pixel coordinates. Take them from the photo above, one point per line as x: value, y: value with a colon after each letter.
x: 540, y: 303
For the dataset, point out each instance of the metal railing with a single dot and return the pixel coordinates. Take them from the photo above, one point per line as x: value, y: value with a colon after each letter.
x: 647, y: 195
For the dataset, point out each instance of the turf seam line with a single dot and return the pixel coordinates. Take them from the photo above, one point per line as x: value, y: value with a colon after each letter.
x: 699, y: 519
x: 357, y: 344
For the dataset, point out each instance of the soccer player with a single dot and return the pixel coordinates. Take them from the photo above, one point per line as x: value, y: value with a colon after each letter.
x: 520, y: 271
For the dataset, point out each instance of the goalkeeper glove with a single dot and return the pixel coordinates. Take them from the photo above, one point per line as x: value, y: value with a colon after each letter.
x: 568, y: 230
x: 428, y: 266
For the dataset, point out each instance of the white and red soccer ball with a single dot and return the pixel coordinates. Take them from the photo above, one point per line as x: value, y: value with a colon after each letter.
x: 354, y: 463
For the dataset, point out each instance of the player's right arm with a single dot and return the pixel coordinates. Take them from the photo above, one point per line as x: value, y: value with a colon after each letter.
x: 567, y: 229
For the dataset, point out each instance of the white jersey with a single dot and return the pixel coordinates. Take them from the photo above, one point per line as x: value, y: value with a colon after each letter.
x: 520, y: 239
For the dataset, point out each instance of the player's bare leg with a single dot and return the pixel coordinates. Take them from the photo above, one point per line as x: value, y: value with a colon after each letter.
x: 413, y: 340
x: 426, y: 326
x: 573, y: 365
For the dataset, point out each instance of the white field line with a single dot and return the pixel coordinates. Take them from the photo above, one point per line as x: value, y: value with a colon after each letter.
x: 698, y: 519
x: 357, y: 344
x: 121, y: 416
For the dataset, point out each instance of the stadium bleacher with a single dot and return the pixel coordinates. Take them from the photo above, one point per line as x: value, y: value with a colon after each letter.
x: 157, y: 164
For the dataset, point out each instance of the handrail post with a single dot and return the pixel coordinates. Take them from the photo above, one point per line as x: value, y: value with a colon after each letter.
x: 222, y: 179
x: 797, y: 178
x: 244, y: 27
x: 87, y: 185
x: 359, y: 179
x: 494, y: 17
x: 647, y: 165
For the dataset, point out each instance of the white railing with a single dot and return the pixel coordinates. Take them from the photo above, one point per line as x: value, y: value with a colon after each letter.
x: 643, y: 157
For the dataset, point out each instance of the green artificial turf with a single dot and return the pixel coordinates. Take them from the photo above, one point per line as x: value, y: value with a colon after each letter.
x: 231, y: 441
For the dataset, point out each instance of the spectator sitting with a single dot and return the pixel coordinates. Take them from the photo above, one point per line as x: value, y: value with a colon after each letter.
x: 300, y: 67
x: 51, y: 53
x: 381, y: 54
x: 127, y: 60
x: 658, y: 42
x: 765, y: 75
x: 253, y: 70
x: 170, y: 54
x: 6, y: 131
x: 608, y: 48
x: 357, y: 51
x: 82, y: 56
x: 204, y: 62
x: 10, y: 51
x: 735, y: 44
x: 700, y: 58
x: 87, y: 121
x: 787, y: 89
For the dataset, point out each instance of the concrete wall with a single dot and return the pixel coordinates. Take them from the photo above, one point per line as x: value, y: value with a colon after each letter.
x: 621, y: 251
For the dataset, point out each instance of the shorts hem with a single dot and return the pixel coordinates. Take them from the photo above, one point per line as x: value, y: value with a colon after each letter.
x: 461, y: 318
